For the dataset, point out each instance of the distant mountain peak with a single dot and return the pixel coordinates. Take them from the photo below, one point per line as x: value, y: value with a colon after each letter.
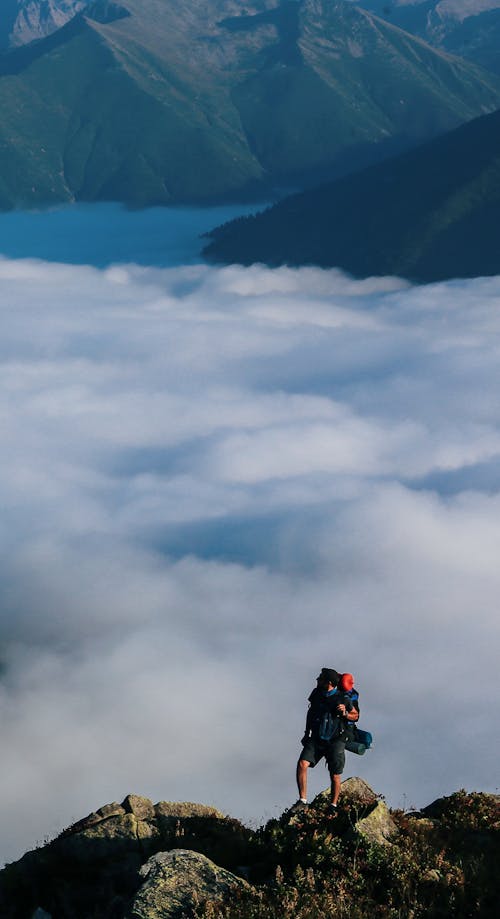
x: 24, y: 21
x: 467, y: 28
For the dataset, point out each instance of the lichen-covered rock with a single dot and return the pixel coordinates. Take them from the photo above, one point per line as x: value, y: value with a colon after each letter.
x: 137, y: 821
x: 374, y: 822
x: 110, y: 810
x: 357, y: 790
x: 129, y: 833
x: 142, y: 808
x: 183, y: 809
x: 176, y: 882
x: 94, y: 864
x: 352, y: 791
x: 378, y: 826
x: 111, y: 837
x: 367, y: 816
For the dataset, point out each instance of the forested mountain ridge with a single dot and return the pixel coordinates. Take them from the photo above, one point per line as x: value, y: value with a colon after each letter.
x: 152, y: 101
x: 429, y: 214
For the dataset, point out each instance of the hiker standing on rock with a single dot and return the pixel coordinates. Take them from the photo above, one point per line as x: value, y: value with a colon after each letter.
x: 329, y: 715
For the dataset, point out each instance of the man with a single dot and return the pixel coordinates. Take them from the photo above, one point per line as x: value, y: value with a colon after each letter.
x: 330, y: 712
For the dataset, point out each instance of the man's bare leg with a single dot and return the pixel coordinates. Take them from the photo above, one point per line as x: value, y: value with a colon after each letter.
x: 302, y: 767
x: 335, y: 788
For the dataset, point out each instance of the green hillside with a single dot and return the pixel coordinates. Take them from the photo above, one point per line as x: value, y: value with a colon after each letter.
x: 429, y: 214
x: 152, y: 101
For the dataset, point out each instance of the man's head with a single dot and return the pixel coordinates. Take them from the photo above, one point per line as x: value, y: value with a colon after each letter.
x: 328, y: 678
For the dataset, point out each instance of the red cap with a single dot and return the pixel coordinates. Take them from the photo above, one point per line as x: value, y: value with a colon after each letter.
x: 346, y: 682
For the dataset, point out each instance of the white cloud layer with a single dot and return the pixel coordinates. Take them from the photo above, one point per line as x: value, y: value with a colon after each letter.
x: 214, y: 482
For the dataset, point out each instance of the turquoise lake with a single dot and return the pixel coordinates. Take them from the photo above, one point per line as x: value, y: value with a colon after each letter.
x: 104, y: 234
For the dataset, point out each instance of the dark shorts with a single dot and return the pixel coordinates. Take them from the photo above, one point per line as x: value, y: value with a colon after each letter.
x: 334, y: 753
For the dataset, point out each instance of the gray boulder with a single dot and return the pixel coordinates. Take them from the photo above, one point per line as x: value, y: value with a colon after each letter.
x: 369, y: 817
x: 374, y: 821
x: 358, y: 791
x: 176, y: 882
x: 110, y: 846
x: 378, y: 826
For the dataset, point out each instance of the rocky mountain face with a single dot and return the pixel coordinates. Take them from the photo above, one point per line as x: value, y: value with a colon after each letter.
x: 427, y: 215
x: 156, y: 101
x: 137, y: 860
x: 24, y: 21
x: 468, y: 28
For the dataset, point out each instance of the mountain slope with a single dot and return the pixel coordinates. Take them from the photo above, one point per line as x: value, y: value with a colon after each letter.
x: 23, y: 21
x: 151, y: 101
x: 429, y: 214
x: 469, y: 28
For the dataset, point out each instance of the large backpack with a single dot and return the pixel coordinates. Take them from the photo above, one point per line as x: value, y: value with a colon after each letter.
x: 359, y: 741
x: 329, y: 727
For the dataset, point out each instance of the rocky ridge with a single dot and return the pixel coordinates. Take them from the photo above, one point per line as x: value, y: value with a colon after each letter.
x: 468, y: 28
x: 24, y: 21
x: 139, y: 860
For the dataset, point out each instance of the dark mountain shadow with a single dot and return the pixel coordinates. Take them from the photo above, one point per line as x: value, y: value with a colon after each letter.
x: 19, y: 59
x: 10, y: 10
x: 285, y: 18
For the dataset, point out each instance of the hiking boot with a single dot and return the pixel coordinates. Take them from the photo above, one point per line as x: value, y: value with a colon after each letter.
x: 332, y: 810
x: 298, y: 807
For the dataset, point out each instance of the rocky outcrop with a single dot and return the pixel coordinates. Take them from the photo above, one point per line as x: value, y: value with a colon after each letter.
x: 367, y: 815
x: 139, y: 860
x: 357, y: 791
x: 378, y: 826
x: 34, y: 19
x: 375, y: 823
x: 110, y: 846
x: 178, y: 881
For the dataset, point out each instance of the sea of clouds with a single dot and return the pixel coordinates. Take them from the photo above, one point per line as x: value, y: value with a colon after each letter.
x: 215, y: 482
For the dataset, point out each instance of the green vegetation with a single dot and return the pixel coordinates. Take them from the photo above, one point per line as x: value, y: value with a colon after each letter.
x: 153, y: 102
x: 432, y: 868
x: 440, y: 863
x: 427, y: 215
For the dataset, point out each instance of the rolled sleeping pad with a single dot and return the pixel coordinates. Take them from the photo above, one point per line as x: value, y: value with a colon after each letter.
x: 360, y: 743
x: 355, y: 747
x: 364, y: 737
